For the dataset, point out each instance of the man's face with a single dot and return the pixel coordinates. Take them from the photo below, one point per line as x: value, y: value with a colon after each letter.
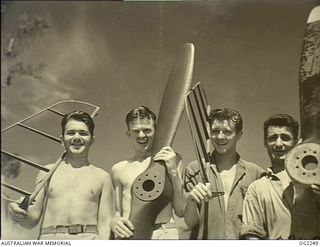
x: 279, y: 142
x: 141, y: 133
x: 77, y: 138
x: 223, y: 136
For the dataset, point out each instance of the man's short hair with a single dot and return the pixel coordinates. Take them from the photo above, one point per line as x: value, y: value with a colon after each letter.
x: 78, y: 116
x: 282, y: 120
x: 222, y: 114
x: 140, y: 112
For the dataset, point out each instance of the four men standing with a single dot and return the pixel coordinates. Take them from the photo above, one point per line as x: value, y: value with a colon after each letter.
x: 81, y: 207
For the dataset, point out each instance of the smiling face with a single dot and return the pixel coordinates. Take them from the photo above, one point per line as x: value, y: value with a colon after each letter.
x: 279, y: 141
x: 141, y: 133
x: 223, y: 136
x: 77, y: 138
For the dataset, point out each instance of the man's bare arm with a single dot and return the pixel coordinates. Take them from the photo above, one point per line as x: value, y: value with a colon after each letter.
x: 106, y: 208
x: 178, y: 198
x: 120, y: 226
x: 30, y: 217
x: 173, y: 161
x: 191, y: 213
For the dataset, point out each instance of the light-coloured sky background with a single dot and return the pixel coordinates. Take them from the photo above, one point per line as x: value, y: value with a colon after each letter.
x: 119, y: 55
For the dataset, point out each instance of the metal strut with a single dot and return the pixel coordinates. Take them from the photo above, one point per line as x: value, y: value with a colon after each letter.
x: 200, y: 134
x: 198, y: 110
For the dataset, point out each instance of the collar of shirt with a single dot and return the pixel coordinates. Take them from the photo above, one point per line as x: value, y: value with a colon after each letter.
x: 282, y: 176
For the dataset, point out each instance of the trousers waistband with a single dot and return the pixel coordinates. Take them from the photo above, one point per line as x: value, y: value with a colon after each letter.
x: 70, y: 229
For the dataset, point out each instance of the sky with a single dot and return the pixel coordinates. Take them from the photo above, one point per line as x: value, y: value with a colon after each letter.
x: 118, y: 55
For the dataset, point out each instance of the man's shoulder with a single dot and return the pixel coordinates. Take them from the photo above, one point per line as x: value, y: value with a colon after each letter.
x: 251, y: 166
x: 42, y: 174
x: 193, y: 164
x: 119, y: 166
x: 100, y: 172
x: 259, y: 184
x: 49, y: 166
x: 192, y: 167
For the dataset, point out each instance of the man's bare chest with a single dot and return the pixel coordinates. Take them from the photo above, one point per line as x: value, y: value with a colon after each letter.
x: 76, y: 183
x: 130, y: 173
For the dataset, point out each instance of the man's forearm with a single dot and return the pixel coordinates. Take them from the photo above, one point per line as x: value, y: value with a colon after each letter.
x: 191, y: 213
x: 104, y: 231
x: 178, y: 199
x: 30, y: 221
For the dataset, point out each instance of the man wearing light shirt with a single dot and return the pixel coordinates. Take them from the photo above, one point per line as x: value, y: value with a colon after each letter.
x: 270, y: 201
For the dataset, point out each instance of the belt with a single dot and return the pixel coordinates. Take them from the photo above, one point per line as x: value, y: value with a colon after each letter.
x: 165, y: 226
x: 70, y: 229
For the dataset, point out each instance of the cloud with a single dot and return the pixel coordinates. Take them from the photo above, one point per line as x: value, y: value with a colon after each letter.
x: 28, y: 95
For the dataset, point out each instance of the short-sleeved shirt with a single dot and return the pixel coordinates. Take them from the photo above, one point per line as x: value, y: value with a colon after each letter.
x: 221, y: 223
x: 269, y: 211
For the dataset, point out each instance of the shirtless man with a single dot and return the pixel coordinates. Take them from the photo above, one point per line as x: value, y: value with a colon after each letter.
x: 78, y: 201
x: 141, y: 123
x: 228, y: 173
